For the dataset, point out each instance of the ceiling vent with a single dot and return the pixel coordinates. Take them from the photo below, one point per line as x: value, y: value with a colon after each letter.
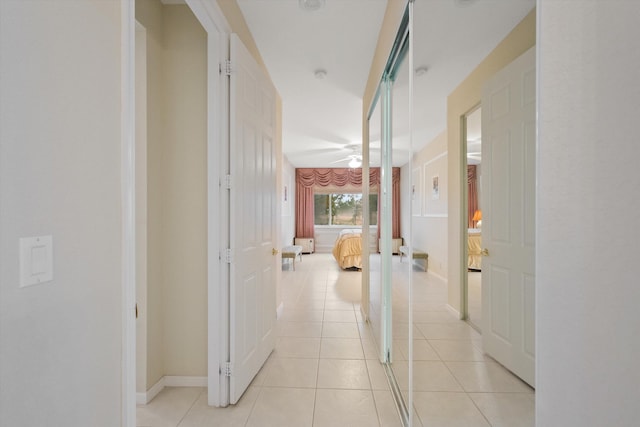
x: 311, y: 5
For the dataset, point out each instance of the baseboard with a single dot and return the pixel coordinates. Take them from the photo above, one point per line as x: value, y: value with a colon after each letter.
x: 144, y: 398
x: 176, y: 381
x: 453, y: 310
x: 280, y: 310
x: 169, y: 381
x: 437, y: 276
x: 365, y: 318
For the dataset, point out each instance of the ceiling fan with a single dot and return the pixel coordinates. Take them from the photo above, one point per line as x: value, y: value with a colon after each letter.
x: 355, y: 160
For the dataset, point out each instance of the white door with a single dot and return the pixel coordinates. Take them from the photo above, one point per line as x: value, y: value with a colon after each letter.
x: 253, y: 219
x: 508, y: 217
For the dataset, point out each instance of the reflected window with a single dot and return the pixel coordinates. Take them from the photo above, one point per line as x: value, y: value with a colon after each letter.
x: 343, y: 209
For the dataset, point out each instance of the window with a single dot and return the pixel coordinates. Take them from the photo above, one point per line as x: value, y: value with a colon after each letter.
x: 343, y: 209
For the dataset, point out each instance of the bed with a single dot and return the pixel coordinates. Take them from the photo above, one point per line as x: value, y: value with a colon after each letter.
x: 348, y: 249
x: 475, y: 249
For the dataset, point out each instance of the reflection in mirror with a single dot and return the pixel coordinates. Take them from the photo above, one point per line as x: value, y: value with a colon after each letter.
x: 400, y: 271
x: 473, y: 137
x: 374, y: 270
x: 388, y: 151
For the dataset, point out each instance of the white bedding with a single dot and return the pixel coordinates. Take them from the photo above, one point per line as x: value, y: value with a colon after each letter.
x: 350, y: 231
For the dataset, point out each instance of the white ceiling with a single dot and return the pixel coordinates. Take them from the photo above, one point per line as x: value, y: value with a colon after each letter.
x: 322, y: 117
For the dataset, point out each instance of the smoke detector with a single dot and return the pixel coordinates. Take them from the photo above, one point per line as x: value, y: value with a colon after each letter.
x: 320, y: 74
x: 311, y: 5
x: 422, y: 70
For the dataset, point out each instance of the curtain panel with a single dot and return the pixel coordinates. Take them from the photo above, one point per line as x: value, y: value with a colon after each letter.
x: 309, y: 180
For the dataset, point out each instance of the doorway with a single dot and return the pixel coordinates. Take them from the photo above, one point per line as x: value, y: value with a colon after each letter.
x: 171, y: 183
x: 472, y: 140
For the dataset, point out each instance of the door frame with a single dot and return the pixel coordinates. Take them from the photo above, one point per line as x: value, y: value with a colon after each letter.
x: 214, y: 23
x: 464, y: 224
x: 128, y: 227
x: 212, y: 20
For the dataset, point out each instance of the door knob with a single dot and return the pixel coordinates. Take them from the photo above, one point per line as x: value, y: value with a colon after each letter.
x: 485, y: 252
x: 274, y: 251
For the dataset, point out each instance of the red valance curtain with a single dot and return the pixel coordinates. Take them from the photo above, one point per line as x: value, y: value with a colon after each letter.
x: 472, y: 183
x: 339, y: 177
x: 307, y: 179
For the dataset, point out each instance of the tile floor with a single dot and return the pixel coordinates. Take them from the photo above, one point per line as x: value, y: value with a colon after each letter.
x: 324, y: 370
x: 475, y: 297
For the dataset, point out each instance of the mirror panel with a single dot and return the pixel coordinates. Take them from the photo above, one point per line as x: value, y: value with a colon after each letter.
x: 374, y: 271
x: 400, y: 271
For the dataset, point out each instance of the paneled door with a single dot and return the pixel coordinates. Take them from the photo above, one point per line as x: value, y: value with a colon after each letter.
x: 252, y: 307
x: 508, y: 217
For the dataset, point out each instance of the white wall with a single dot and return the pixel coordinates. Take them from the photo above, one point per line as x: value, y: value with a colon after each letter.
x: 587, y: 214
x: 60, y: 342
x: 429, y: 215
x: 288, y: 230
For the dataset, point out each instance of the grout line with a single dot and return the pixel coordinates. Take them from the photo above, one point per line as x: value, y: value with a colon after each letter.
x: 190, y: 407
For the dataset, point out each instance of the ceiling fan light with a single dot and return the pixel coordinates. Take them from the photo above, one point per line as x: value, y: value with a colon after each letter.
x: 354, y: 163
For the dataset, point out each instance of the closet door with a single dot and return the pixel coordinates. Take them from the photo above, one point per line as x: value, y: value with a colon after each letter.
x: 253, y: 219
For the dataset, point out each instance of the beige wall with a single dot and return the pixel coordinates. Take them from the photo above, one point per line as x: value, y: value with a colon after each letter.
x: 176, y: 195
x: 463, y: 99
x: 141, y: 205
x: 390, y: 24
x: 60, y: 175
x: 149, y: 14
x: 184, y: 183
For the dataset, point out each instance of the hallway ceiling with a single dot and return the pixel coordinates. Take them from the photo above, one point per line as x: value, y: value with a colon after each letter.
x: 322, y: 116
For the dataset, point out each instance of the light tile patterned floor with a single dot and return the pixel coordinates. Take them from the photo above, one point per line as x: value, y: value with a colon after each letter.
x: 324, y: 370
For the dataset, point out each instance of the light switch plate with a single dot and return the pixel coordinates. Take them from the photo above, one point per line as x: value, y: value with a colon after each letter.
x: 36, y: 260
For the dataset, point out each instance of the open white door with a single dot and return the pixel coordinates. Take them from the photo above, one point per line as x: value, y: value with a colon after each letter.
x: 508, y: 220
x: 253, y: 219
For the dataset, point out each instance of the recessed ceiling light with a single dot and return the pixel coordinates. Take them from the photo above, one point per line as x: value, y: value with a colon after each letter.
x: 310, y: 5
x: 320, y: 74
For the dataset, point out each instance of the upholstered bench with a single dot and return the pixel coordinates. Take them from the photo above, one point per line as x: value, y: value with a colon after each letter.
x: 292, y: 252
x: 417, y: 254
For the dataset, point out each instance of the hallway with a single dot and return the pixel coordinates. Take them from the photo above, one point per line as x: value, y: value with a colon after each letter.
x: 324, y: 370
